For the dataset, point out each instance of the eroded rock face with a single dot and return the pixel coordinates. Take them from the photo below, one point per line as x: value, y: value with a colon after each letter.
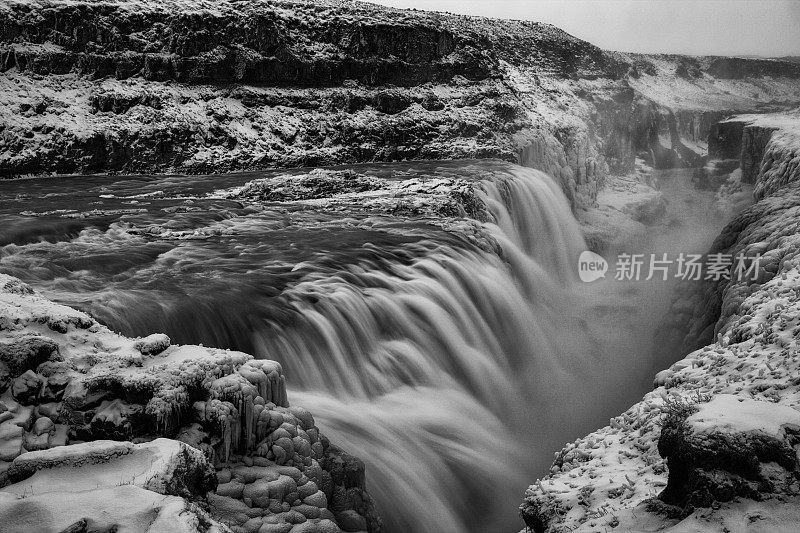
x: 755, y: 140
x: 256, y: 42
x: 72, y: 379
x: 725, y: 139
x: 368, y: 84
x: 737, y: 68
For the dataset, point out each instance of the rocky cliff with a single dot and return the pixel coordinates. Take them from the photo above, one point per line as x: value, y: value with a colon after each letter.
x: 198, y: 86
x: 236, y: 455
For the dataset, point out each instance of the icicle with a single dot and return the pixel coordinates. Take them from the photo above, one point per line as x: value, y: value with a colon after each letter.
x: 284, y: 399
x: 262, y: 423
x: 249, y: 423
x: 226, y: 439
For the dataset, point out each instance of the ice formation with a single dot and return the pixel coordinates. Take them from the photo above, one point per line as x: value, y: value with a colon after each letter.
x: 67, y: 379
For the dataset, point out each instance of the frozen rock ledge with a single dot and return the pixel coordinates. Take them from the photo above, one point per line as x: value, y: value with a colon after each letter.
x: 83, y: 416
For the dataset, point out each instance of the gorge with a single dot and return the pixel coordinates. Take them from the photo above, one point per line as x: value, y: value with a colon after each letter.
x: 385, y: 208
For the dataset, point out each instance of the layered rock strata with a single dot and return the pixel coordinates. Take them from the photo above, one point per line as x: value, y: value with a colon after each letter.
x: 201, y: 87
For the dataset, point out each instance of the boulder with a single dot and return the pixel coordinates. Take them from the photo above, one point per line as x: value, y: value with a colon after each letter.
x: 731, y: 447
x: 390, y: 101
x: 27, y: 352
x: 152, y: 344
x: 115, y: 419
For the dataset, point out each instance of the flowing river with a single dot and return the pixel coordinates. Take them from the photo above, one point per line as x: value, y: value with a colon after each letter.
x: 453, y: 356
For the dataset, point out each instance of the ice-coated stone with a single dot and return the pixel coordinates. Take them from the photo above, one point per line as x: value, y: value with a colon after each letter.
x: 152, y: 344
x: 224, y: 403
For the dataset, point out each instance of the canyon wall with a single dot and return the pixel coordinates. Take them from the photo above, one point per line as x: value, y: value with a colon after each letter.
x: 767, y: 148
x: 201, y: 87
x: 711, y: 445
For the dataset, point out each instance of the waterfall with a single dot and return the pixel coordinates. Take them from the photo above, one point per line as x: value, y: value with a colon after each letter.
x: 441, y: 364
x: 431, y: 369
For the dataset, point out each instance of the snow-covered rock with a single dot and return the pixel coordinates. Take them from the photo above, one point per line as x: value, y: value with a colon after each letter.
x: 765, y: 144
x: 152, y: 344
x: 164, y: 466
x: 72, y: 379
x: 731, y: 446
x: 101, y: 485
x: 115, y: 508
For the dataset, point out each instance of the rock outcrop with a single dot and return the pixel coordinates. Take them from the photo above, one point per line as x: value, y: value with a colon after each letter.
x: 730, y: 447
x: 244, y: 453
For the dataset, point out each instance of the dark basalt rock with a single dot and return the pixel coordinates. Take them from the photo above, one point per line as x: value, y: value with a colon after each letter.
x: 250, y: 42
x: 725, y: 139
x: 391, y: 102
x: 347, y: 492
x: 754, y: 145
x: 737, y: 68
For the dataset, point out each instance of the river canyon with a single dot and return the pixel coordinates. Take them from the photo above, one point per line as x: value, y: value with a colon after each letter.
x: 347, y: 292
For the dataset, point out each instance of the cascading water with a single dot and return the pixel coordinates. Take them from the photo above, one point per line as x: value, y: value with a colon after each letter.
x: 430, y: 369
x: 450, y: 369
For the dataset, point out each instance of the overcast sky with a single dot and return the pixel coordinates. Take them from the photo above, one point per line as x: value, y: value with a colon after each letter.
x: 724, y: 27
